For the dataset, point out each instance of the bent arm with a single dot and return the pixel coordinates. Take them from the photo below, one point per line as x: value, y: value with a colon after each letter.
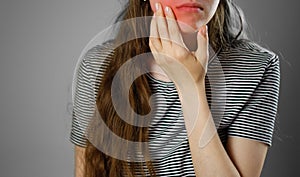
x: 241, y: 157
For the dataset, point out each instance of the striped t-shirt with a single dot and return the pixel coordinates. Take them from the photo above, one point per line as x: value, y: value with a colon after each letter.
x: 242, y: 92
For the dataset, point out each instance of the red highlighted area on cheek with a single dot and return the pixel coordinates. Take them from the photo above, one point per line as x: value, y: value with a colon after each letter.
x: 188, y: 16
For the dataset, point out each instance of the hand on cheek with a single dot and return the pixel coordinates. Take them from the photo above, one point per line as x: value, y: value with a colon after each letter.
x: 170, y: 52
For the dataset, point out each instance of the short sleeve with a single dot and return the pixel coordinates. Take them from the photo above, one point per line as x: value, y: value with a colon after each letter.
x: 86, y: 84
x: 257, y: 118
x: 83, y: 105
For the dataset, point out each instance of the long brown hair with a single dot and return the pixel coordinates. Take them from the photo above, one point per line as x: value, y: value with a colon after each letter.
x: 225, y: 28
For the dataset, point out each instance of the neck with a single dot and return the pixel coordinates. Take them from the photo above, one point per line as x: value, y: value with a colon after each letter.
x: 190, y: 40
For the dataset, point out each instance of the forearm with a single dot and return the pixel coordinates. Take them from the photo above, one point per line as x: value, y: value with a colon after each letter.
x: 208, y: 154
x: 79, y: 161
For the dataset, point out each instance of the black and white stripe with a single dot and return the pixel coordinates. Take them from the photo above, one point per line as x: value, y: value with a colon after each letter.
x: 251, y: 85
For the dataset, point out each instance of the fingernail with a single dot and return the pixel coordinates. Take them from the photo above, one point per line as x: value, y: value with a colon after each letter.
x: 157, y: 6
x: 168, y: 10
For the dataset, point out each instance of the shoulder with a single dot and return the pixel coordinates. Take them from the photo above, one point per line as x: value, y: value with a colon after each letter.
x: 91, y: 67
x: 97, y: 55
x: 246, y: 64
x: 93, y: 63
x: 249, y: 54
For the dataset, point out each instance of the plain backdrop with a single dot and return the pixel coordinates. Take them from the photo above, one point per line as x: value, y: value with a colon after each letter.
x: 41, y: 41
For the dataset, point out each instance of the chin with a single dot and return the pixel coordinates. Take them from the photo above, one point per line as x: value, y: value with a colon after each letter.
x: 190, y: 27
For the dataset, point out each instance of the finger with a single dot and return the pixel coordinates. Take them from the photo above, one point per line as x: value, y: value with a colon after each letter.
x: 173, y: 27
x: 154, y: 42
x: 162, y: 25
x: 202, y: 51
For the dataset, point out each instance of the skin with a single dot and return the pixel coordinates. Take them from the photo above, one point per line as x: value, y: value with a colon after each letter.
x: 240, y: 157
x: 182, y: 58
x: 189, y: 21
x: 79, y: 161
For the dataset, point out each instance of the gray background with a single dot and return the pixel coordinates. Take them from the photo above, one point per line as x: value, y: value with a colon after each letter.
x: 41, y: 41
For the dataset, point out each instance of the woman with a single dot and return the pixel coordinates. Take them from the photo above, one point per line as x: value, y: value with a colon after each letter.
x: 216, y: 141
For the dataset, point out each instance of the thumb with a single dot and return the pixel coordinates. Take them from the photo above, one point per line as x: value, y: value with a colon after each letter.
x: 202, y: 50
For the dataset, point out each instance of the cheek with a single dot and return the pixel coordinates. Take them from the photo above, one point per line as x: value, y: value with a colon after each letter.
x: 169, y: 3
x: 189, y: 20
x: 213, y: 8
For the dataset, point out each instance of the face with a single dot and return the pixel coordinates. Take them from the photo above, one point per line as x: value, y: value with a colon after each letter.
x: 191, y: 14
